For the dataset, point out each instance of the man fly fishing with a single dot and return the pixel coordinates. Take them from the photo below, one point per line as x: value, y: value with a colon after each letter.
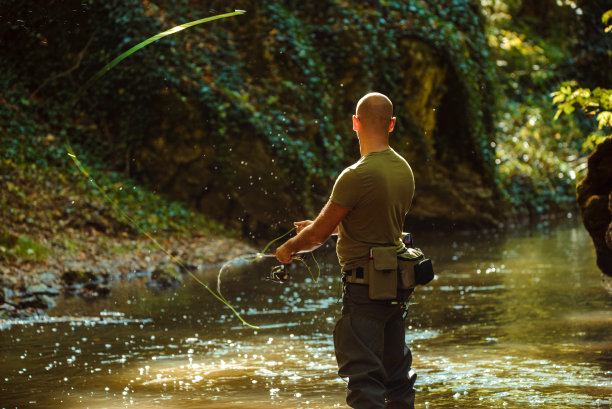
x: 367, y: 208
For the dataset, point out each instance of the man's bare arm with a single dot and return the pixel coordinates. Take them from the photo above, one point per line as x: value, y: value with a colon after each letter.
x: 314, y: 234
x: 305, y: 223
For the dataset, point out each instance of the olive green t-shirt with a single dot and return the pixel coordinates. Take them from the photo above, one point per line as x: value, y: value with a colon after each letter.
x: 377, y: 190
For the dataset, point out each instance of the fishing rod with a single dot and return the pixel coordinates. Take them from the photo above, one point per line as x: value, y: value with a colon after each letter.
x: 279, y: 273
x: 273, y: 255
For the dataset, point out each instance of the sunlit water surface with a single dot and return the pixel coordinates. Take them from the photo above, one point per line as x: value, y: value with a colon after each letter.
x: 512, y: 321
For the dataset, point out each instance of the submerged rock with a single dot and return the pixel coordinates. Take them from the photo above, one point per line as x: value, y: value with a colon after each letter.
x: 86, y: 283
x: 165, y: 277
x: 38, y: 301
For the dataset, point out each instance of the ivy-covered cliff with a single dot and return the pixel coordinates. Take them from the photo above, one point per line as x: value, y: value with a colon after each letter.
x: 248, y: 119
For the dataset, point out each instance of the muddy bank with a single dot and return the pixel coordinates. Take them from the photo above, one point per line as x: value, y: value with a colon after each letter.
x: 30, y: 287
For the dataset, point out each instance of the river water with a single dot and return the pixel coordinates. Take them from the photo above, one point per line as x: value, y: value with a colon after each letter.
x: 521, y: 320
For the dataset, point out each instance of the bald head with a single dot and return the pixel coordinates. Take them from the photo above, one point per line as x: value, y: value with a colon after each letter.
x: 375, y: 112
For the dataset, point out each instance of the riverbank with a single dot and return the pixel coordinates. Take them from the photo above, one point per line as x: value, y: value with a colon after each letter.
x: 30, y: 285
x: 61, y: 234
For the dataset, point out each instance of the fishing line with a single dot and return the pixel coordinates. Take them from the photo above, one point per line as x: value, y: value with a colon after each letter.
x: 118, y: 209
x: 150, y: 40
x: 115, y: 206
x: 249, y: 258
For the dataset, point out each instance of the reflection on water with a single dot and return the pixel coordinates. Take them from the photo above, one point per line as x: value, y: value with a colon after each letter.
x: 509, y: 322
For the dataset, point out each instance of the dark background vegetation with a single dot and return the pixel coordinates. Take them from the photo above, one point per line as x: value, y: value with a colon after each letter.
x: 243, y: 124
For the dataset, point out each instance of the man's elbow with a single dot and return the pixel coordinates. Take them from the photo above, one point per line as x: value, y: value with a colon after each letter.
x: 319, y: 237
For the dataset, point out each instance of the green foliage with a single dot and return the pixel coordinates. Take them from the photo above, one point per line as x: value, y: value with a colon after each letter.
x: 20, y: 247
x: 597, y: 102
x: 607, y: 16
x: 287, y: 74
x: 592, y: 60
x: 44, y: 197
x: 539, y: 158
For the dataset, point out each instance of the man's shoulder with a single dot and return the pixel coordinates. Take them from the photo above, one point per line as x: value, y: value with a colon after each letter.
x: 352, y: 170
x: 348, y: 175
x: 395, y: 155
x: 384, y: 159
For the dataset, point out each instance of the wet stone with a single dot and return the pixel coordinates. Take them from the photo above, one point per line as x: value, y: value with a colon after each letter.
x: 7, y: 310
x: 48, y: 278
x: 78, y: 277
x: 38, y: 301
x: 97, y: 289
x: 164, y: 278
x: 42, y: 289
x: 86, y: 283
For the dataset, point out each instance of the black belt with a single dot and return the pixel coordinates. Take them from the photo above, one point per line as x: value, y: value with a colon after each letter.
x: 358, y: 272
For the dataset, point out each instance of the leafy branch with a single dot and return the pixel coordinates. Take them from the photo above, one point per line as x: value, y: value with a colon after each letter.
x: 607, y: 16
x: 593, y: 102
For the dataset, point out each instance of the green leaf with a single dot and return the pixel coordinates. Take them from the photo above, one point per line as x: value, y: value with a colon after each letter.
x: 558, y: 97
x: 604, y: 118
x: 566, y: 89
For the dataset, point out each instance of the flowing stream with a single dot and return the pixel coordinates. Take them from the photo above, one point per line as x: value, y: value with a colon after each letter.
x: 521, y: 320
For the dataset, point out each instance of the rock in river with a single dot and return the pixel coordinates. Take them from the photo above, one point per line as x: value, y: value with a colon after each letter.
x: 594, y: 195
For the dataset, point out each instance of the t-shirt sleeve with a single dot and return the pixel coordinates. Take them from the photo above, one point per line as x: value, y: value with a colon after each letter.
x: 346, y: 192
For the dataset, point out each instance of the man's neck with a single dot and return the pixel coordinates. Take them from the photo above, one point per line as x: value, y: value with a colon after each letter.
x: 372, y: 146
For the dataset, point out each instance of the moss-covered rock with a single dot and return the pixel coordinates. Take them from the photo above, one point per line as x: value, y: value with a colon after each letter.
x: 594, y: 195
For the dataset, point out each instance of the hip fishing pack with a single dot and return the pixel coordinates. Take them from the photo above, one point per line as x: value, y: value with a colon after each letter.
x: 382, y: 273
x: 414, y: 268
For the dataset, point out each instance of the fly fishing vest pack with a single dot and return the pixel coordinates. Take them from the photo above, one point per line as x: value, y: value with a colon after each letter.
x: 388, y: 270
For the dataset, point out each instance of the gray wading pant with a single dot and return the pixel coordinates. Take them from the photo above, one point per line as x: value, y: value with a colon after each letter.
x: 372, y: 353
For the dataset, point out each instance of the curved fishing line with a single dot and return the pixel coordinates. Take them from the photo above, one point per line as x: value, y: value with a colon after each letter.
x: 150, y: 40
x: 249, y: 258
x: 314, y: 280
x: 275, y: 240
x: 118, y: 209
x: 115, y: 206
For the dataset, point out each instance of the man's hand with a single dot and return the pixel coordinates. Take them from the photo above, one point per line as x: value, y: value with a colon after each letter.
x: 301, y: 225
x: 312, y: 234
x: 284, y: 254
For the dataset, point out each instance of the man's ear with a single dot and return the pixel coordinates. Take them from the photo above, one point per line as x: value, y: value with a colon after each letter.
x: 356, y: 124
x: 392, y: 124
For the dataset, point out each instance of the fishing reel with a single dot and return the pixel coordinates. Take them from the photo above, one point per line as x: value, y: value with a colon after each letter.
x: 278, y: 274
